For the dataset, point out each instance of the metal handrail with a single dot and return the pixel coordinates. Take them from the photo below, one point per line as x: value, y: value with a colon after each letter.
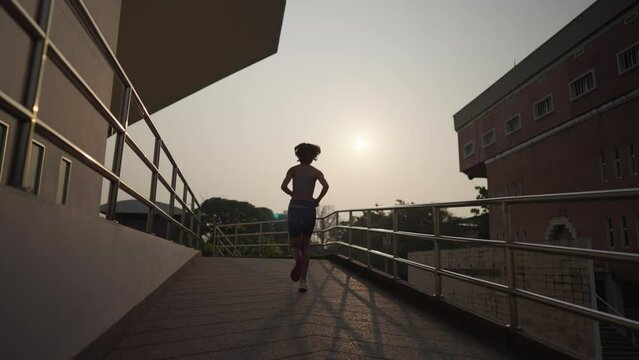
x: 29, y: 123
x: 508, y: 245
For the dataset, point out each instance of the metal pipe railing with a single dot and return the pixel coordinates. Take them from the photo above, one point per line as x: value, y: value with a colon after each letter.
x: 508, y: 245
x: 30, y: 124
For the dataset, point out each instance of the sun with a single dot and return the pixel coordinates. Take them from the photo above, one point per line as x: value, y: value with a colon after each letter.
x: 360, y: 143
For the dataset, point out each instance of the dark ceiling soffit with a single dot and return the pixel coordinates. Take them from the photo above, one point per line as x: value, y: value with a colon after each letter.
x: 265, y: 42
x: 589, y: 21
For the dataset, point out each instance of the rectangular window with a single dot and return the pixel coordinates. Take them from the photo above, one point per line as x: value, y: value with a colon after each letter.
x: 36, y: 160
x: 469, y: 149
x: 488, y: 138
x: 611, y: 240
x: 632, y: 159
x: 4, y: 130
x: 617, y: 163
x: 624, y: 232
x: 628, y: 58
x: 582, y: 85
x: 513, y: 124
x: 602, y: 167
x: 63, y: 181
x: 543, y: 107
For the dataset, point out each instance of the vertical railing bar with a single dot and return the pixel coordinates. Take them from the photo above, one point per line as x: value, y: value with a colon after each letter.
x: 350, y: 235
x: 368, y: 239
x: 184, y: 212
x: 395, y: 244
x: 116, y: 166
x: 192, y: 224
x: 235, y: 241
x: 172, y: 200
x: 154, y: 184
x: 510, y: 268
x: 20, y: 163
x: 438, y: 265
x: 259, y: 242
x: 215, y: 229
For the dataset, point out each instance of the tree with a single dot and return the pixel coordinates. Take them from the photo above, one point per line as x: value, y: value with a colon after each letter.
x: 481, y: 217
x: 216, y: 211
x: 224, y: 211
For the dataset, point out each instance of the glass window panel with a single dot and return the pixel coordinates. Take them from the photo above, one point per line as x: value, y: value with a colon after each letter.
x: 63, y: 181
x: 34, y: 174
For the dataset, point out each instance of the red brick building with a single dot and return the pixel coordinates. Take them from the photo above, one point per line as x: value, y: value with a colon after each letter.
x: 566, y: 119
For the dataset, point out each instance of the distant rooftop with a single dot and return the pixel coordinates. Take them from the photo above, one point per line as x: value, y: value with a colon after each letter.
x: 136, y: 207
x: 588, y: 22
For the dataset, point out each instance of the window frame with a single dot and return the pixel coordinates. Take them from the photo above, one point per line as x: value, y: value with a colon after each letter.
x: 67, y: 181
x: 35, y: 142
x: 3, y: 148
x: 483, y: 143
x: 610, y: 233
x: 619, y: 70
x: 632, y: 159
x: 518, y: 115
x: 618, y: 172
x: 552, y: 107
x: 625, y: 237
x: 603, y: 164
x: 594, y: 84
x: 467, y: 155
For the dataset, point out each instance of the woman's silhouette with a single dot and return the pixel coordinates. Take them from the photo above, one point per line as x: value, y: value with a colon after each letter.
x: 301, y: 209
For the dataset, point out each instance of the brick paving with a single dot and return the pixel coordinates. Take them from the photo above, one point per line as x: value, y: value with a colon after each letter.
x: 239, y: 308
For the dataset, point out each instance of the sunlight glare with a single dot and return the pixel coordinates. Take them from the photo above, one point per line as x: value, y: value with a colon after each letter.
x: 360, y: 143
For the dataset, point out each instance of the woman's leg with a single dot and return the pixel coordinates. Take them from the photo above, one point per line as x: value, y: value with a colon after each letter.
x: 305, y: 255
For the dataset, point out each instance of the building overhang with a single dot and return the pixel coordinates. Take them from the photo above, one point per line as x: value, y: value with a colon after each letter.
x: 171, y: 49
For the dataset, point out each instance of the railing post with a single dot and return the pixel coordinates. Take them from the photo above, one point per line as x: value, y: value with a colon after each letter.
x: 322, y: 236
x: 350, y: 235
x: 235, y: 241
x: 510, y: 268
x: 192, y: 223
x: 215, y: 238
x: 368, y: 239
x: 259, y: 242
x: 154, y: 184
x: 395, y: 244
x: 26, y: 129
x: 172, y: 201
x: 116, y: 167
x: 438, y: 264
x: 184, y: 212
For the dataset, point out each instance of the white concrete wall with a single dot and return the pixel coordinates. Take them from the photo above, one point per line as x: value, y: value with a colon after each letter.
x: 66, y: 277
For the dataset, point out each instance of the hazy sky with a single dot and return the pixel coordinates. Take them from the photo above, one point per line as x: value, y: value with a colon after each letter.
x: 375, y: 83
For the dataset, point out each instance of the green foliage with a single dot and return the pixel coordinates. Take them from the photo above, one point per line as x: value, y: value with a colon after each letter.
x: 224, y: 211
x: 481, y: 218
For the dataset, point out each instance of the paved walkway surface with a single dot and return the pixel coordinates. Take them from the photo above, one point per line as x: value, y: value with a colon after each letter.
x: 235, y: 308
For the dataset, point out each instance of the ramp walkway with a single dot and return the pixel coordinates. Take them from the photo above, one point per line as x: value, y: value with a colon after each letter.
x: 247, y: 308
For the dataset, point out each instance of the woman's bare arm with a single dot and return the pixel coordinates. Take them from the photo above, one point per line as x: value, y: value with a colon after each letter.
x: 287, y: 180
x: 324, y: 183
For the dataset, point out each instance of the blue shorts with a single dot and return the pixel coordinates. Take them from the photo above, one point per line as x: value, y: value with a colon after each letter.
x: 301, y: 218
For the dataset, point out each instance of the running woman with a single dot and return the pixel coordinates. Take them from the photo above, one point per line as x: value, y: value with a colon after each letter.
x: 301, y: 209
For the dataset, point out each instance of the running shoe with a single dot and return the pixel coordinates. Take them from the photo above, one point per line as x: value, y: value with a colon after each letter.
x: 303, y: 287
